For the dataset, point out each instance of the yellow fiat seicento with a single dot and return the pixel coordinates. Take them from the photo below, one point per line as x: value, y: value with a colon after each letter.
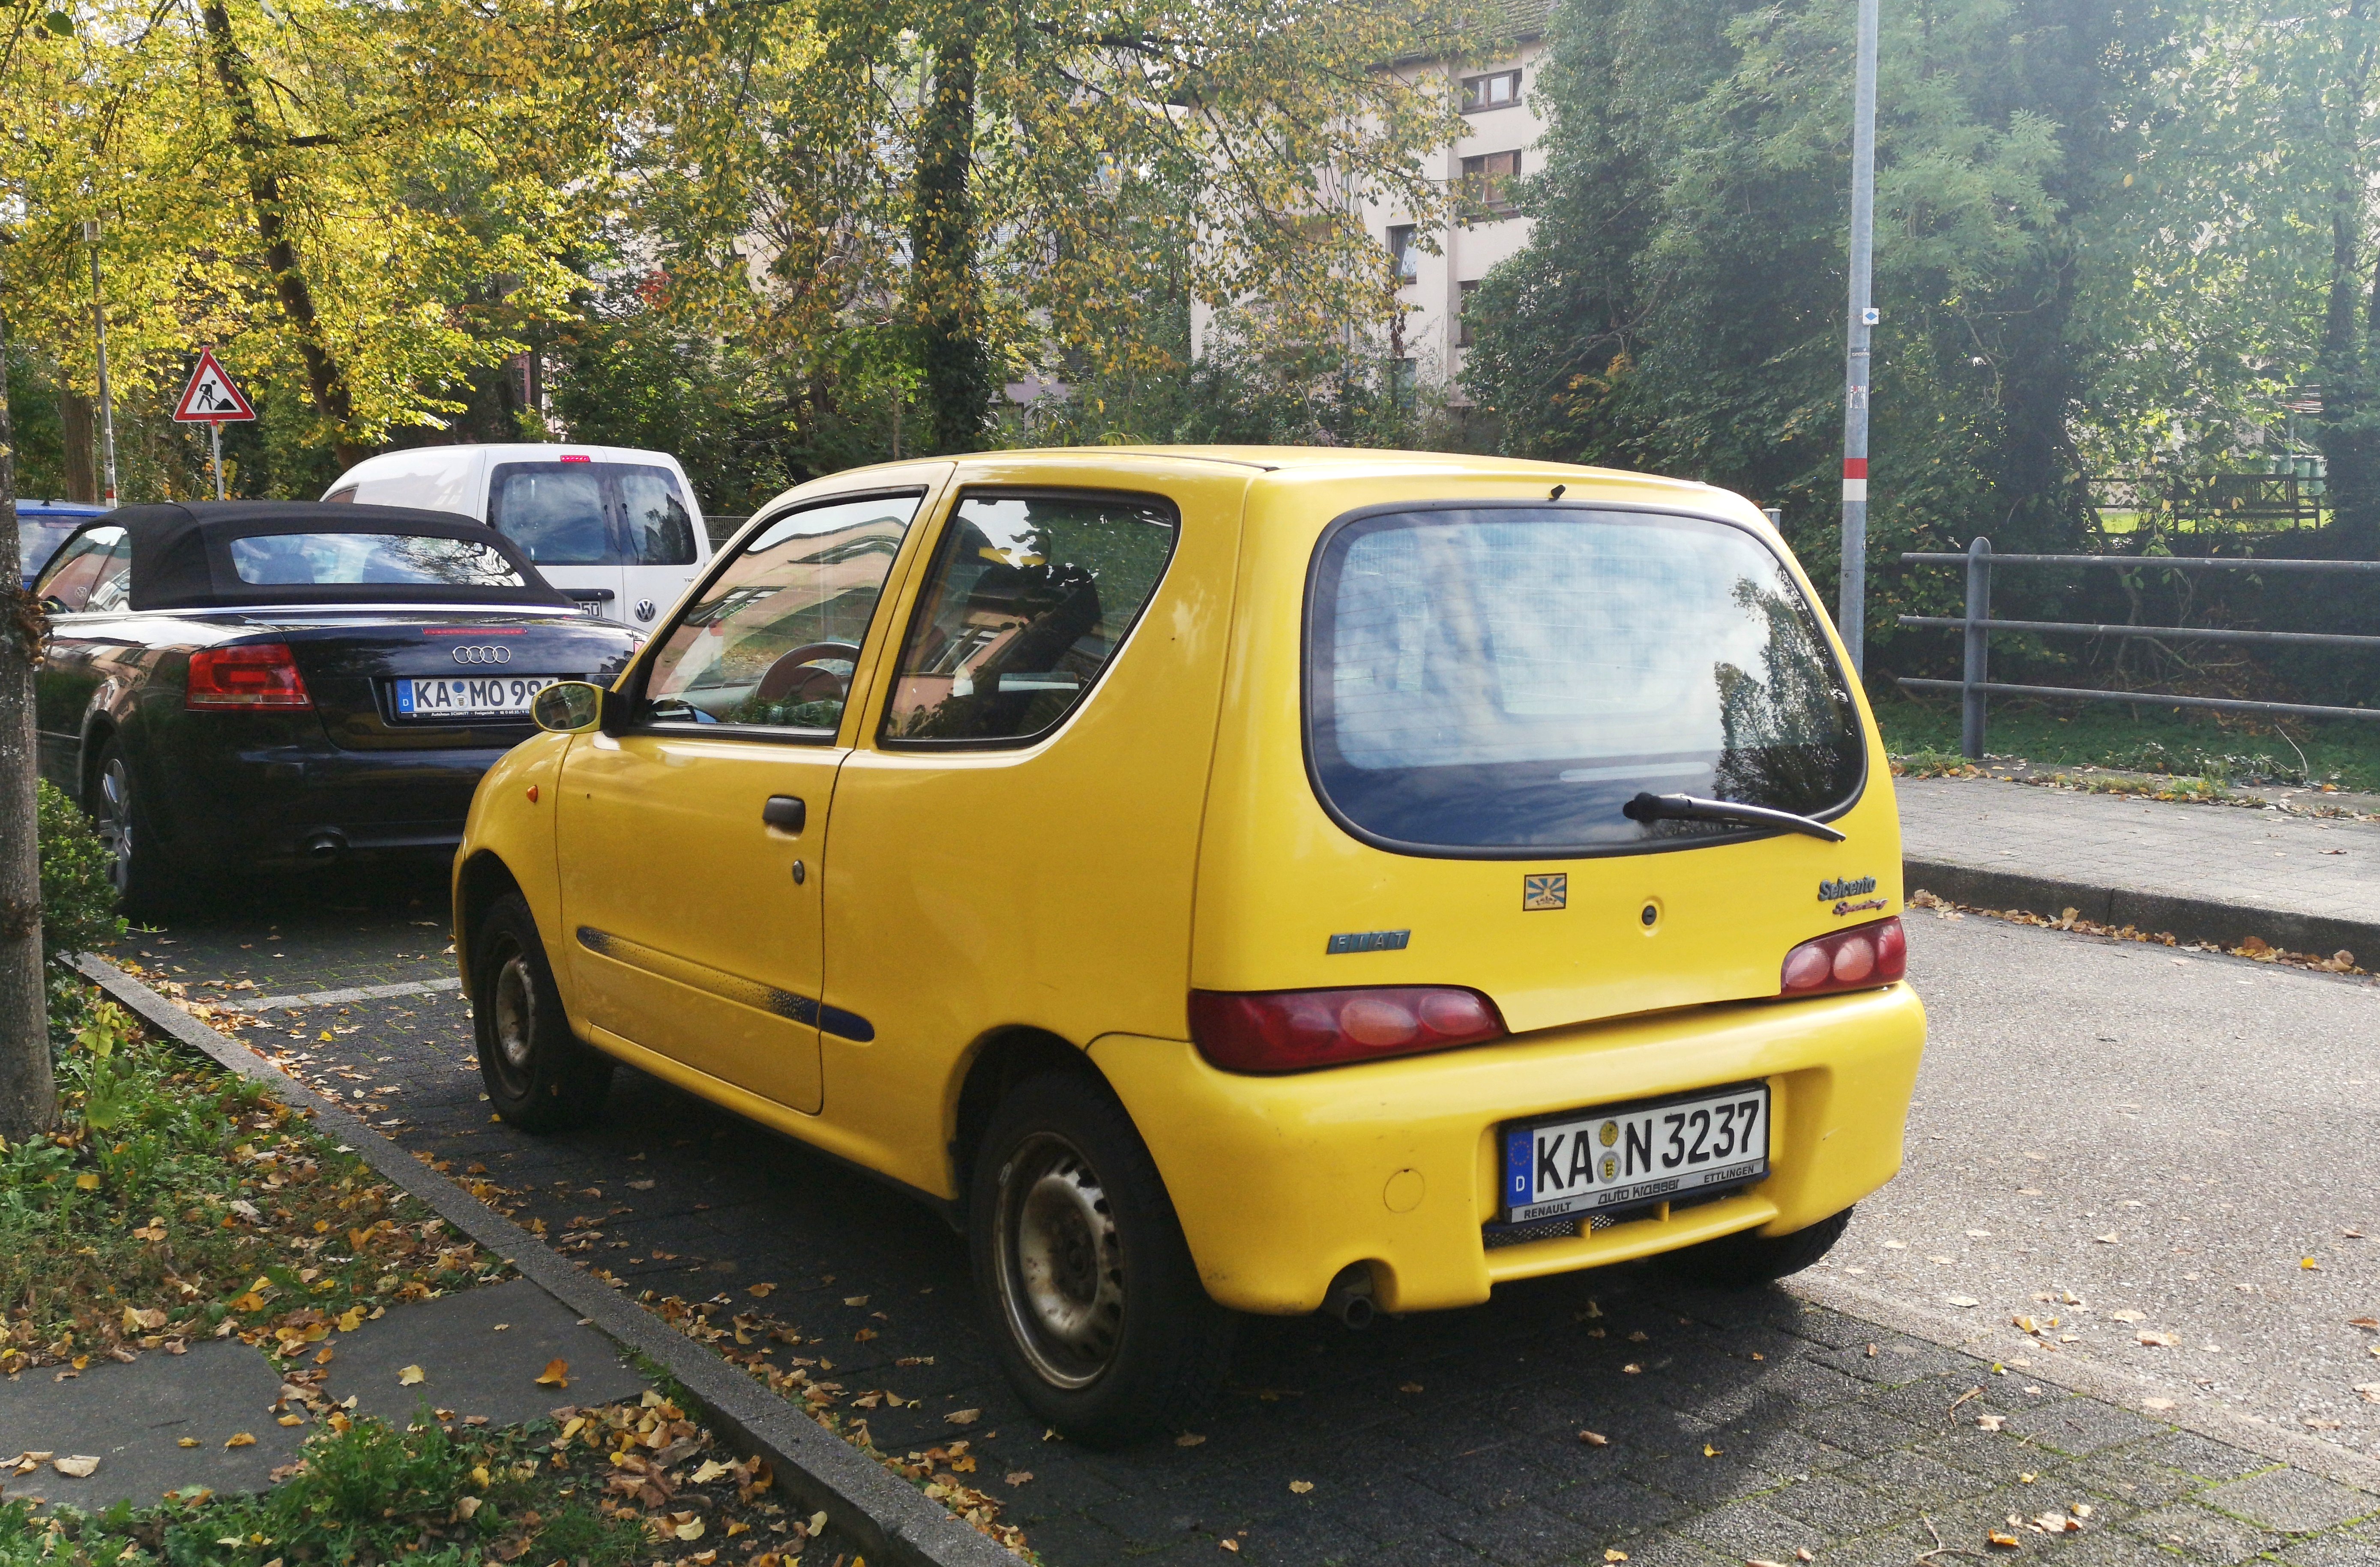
x: 1231, y: 880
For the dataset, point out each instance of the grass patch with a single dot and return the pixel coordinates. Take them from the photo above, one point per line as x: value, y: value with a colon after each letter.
x: 593, y: 1488
x: 2344, y: 753
x: 176, y: 1200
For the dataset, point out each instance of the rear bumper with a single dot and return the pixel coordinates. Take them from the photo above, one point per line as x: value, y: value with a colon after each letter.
x: 294, y: 804
x: 1282, y: 1182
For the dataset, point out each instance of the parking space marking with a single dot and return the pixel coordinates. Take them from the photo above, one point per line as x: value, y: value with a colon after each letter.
x: 360, y: 993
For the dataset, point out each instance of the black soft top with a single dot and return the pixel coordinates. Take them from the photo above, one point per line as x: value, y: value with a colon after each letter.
x: 181, y: 554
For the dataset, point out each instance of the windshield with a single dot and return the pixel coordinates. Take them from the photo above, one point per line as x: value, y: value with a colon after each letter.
x: 1501, y: 680
x: 385, y: 559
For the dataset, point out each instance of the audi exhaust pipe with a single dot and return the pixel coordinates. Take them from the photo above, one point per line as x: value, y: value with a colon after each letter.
x: 1349, y: 1298
x: 323, y: 846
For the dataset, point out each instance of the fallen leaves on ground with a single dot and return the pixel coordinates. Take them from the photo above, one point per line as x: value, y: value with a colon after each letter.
x: 79, y: 1466
x: 240, y: 1438
x: 555, y: 1375
x: 2340, y: 962
x: 1594, y: 1438
x: 1301, y: 1487
x: 409, y: 1376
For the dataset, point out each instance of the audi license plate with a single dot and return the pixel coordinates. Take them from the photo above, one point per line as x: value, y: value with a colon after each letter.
x: 493, y: 696
x: 1628, y: 1154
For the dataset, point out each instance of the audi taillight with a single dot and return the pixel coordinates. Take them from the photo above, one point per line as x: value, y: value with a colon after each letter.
x: 1857, y: 959
x: 1299, y: 1030
x: 255, y: 674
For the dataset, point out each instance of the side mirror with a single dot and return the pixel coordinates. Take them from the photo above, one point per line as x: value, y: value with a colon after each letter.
x: 569, y: 707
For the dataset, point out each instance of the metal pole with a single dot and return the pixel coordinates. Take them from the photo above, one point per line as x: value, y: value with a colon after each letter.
x: 107, y: 402
x: 1851, y: 618
x: 1977, y: 668
x: 215, y: 438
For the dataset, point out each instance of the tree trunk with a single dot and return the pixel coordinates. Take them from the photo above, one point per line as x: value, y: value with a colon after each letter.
x: 941, y: 237
x: 78, y: 424
x: 259, y: 156
x: 28, y: 1096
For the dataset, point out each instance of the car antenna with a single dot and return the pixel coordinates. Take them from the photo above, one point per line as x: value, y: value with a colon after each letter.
x: 1558, y: 492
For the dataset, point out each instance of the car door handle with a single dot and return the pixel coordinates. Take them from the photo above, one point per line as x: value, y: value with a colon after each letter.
x: 785, y: 812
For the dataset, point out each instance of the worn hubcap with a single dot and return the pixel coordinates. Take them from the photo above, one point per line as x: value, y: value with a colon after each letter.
x: 514, y: 1013
x: 1061, y: 1262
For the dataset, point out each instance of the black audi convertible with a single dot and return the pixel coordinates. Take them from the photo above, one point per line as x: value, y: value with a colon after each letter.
x: 242, y: 685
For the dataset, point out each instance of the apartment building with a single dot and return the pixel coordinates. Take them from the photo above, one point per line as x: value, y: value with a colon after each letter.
x: 1501, y: 127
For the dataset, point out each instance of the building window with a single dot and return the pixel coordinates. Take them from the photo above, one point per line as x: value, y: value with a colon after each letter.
x: 1403, y: 378
x: 1486, y: 182
x: 1499, y: 90
x: 1462, y: 292
x: 1404, y: 256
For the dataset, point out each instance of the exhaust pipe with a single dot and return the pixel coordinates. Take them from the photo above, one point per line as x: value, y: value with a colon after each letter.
x: 1349, y: 1298
x: 325, y: 846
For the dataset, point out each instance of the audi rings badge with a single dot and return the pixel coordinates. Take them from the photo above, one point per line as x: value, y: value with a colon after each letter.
x: 483, y: 654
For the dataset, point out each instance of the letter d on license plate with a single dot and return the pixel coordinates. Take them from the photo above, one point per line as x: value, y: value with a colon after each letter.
x: 1627, y: 1154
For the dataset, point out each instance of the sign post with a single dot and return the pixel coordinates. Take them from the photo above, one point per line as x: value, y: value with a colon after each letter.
x: 211, y: 399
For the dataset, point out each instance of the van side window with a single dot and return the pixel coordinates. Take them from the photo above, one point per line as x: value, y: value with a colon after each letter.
x: 87, y: 561
x: 774, y: 636
x: 1028, y: 598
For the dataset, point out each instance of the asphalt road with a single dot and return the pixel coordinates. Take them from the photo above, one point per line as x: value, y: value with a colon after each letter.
x: 2212, y: 1117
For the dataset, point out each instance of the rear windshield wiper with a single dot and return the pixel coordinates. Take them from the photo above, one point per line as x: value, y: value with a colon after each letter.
x: 1688, y: 807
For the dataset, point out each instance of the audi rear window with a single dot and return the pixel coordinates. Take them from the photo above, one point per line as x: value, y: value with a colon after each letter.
x: 377, y: 559
x: 1499, y: 681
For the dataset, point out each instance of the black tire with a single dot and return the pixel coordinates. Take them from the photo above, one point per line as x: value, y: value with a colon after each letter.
x: 540, y: 1077
x: 147, y: 888
x: 1094, y: 1300
x: 1748, y: 1259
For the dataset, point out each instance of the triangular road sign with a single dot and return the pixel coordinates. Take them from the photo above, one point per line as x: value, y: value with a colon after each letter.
x: 210, y: 398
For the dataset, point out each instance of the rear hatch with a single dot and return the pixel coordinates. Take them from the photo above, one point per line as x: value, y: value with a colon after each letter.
x: 440, y: 679
x: 1485, y: 687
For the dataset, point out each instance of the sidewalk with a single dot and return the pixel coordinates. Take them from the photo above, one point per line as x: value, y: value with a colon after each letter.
x: 2203, y: 873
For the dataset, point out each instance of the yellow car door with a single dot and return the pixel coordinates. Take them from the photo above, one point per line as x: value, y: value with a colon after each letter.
x: 692, y: 843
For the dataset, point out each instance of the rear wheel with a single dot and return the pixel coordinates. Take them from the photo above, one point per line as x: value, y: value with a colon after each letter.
x: 120, y: 818
x: 1095, y: 1303
x: 540, y: 1077
x: 1747, y: 1259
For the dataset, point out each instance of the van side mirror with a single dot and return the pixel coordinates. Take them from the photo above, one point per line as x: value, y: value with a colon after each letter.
x: 569, y: 707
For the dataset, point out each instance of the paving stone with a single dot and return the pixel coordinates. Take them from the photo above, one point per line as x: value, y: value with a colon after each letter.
x: 2112, y: 1550
x: 1910, y: 1474
x: 1615, y: 1507
x: 471, y: 1367
x: 1835, y: 1506
x: 1896, y: 1546
x: 2081, y: 1424
x: 1706, y: 1481
x: 1523, y: 1536
x: 1666, y: 1550
x: 1858, y: 1428
x: 1752, y: 1529
x: 1419, y: 1551
x: 132, y: 1417
x: 2130, y: 1477
x: 2346, y: 1548
x: 2209, y: 1536
x: 2203, y: 1455
x: 2292, y: 1500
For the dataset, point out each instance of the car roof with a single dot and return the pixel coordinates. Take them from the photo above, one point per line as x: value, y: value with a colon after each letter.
x: 27, y: 507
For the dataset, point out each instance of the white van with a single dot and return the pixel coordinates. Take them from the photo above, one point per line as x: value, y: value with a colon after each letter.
x: 616, y: 528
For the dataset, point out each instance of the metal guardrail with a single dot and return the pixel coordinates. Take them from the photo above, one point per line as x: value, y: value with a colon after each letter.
x: 1975, y: 685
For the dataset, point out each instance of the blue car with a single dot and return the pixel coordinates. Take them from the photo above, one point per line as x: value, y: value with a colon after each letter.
x: 43, y: 526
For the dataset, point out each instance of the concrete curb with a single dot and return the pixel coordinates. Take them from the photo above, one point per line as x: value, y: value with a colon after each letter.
x: 2191, y: 1411
x: 2193, y: 919
x: 891, y: 1519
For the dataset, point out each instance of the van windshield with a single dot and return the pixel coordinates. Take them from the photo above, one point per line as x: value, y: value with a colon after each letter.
x: 1500, y: 680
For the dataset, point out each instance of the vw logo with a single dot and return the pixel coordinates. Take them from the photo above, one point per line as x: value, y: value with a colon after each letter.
x: 483, y: 654
x: 644, y: 609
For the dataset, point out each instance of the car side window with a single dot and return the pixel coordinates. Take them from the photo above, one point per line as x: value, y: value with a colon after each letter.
x: 774, y: 636
x: 81, y: 566
x: 1027, y: 599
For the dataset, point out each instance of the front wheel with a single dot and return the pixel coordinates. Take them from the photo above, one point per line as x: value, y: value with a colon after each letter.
x: 1095, y: 1303
x: 540, y: 1077
x: 1747, y: 1259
